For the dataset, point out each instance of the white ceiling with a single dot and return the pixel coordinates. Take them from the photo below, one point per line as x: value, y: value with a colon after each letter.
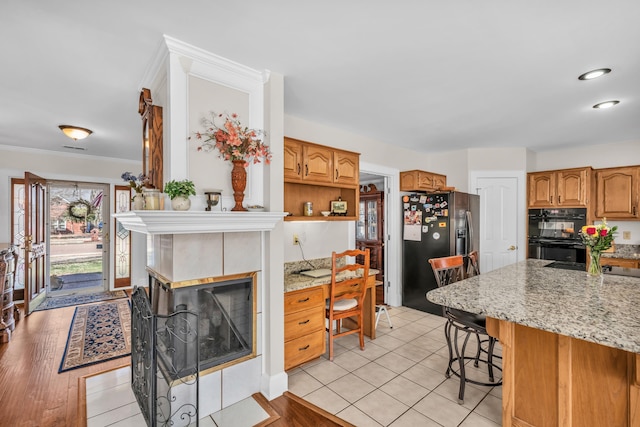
x: 428, y: 75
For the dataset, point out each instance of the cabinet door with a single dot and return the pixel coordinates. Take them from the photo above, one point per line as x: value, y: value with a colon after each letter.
x: 318, y: 164
x: 347, y: 167
x: 292, y: 160
x: 360, y: 225
x: 438, y: 181
x: 617, y: 192
x: 372, y: 229
x: 542, y: 187
x: 572, y: 187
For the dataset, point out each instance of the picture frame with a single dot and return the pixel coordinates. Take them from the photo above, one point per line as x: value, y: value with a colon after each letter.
x: 338, y: 207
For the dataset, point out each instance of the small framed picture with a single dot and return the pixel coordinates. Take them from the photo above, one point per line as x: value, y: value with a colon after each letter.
x: 338, y: 207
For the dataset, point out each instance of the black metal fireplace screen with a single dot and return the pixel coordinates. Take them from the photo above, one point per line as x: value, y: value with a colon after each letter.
x: 184, y: 331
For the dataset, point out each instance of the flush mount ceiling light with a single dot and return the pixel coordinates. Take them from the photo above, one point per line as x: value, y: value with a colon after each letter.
x: 75, y: 132
x: 606, y: 104
x: 593, y: 74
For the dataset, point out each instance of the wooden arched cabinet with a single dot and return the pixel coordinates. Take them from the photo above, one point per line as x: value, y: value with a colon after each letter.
x: 370, y: 231
x: 152, y: 152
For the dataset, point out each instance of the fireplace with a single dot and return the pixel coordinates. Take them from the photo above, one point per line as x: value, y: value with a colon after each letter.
x: 226, y: 309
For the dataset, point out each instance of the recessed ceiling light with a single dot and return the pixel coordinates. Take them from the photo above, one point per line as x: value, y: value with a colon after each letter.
x: 606, y: 104
x: 594, y: 74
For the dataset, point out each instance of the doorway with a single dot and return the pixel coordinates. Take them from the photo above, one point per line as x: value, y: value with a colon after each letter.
x: 78, y: 231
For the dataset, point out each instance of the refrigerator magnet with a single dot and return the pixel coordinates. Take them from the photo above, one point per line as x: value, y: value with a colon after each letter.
x: 425, y: 228
x: 443, y: 204
x: 406, y: 206
x: 442, y: 224
x: 436, y: 235
x: 423, y: 199
x: 405, y: 199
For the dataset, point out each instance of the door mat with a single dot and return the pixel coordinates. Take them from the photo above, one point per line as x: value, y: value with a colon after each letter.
x: 78, y: 299
x: 99, y: 332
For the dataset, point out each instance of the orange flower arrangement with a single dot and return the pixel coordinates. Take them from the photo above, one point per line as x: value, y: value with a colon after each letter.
x: 232, y: 140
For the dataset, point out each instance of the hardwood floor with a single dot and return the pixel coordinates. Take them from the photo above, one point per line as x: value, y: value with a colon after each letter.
x: 32, y: 392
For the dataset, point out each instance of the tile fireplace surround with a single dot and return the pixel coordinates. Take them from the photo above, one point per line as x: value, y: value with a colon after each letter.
x: 183, y: 246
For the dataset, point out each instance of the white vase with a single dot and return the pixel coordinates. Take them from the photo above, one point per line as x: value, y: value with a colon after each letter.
x: 138, y: 202
x: 180, y: 203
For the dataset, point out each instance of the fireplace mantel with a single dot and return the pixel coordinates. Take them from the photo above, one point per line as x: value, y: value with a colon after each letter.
x: 191, y: 222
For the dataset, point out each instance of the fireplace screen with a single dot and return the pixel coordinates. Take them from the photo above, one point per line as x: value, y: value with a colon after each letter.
x: 225, y: 319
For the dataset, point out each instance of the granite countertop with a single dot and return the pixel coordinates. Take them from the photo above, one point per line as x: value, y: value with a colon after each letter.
x: 624, y: 252
x: 599, y: 310
x: 296, y: 282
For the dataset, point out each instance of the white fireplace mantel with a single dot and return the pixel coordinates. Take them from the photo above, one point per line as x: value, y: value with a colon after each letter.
x: 190, y: 222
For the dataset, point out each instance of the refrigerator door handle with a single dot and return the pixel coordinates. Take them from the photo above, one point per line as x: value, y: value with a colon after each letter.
x: 469, y: 247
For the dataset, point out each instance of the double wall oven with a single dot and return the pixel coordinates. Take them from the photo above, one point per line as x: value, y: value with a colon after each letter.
x: 554, y: 234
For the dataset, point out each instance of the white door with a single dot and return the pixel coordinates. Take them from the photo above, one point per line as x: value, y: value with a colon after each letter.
x: 498, y: 221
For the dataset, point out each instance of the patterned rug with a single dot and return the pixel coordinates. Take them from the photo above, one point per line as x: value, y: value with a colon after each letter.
x: 99, y: 332
x: 78, y: 299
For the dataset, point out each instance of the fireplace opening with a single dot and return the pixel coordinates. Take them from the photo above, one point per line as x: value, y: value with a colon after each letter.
x: 226, y: 320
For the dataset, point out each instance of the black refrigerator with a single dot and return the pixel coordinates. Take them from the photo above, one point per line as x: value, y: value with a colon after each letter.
x: 435, y: 225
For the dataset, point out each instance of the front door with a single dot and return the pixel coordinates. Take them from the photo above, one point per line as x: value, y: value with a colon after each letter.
x: 35, y: 244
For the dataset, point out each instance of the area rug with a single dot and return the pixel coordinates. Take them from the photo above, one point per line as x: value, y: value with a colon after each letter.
x: 78, y: 299
x: 99, y: 332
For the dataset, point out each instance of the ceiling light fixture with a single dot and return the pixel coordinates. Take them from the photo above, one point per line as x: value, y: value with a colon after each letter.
x: 593, y: 74
x: 606, y: 104
x: 75, y: 132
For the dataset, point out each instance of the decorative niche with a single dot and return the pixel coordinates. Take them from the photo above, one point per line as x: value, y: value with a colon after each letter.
x: 152, y: 153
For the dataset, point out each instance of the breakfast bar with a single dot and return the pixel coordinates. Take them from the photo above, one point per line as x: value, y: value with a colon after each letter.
x: 570, y: 342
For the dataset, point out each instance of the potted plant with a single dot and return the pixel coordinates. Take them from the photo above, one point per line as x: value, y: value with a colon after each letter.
x: 179, y: 192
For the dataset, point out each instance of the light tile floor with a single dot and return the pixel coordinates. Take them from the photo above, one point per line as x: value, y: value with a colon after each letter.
x: 398, y: 380
x: 110, y: 402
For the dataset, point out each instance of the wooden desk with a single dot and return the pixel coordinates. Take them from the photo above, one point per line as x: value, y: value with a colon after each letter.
x: 304, y: 319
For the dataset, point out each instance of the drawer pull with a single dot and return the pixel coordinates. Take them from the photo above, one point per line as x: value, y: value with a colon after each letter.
x: 304, y: 348
x: 304, y: 300
x: 304, y: 323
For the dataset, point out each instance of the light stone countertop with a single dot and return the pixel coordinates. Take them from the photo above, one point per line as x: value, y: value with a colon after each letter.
x: 296, y: 282
x: 624, y: 252
x: 603, y: 311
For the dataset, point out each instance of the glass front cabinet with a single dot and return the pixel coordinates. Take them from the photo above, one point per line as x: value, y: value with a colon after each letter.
x: 370, y: 229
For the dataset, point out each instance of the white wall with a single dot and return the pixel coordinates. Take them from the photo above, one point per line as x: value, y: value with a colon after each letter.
x: 596, y: 156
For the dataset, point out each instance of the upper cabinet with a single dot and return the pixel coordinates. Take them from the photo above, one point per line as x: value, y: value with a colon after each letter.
x: 417, y: 180
x: 617, y: 192
x: 319, y: 174
x: 559, y: 188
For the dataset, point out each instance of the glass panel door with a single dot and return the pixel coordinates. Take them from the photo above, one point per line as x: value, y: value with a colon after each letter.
x: 372, y: 220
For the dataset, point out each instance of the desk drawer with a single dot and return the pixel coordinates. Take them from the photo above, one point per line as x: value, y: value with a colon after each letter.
x: 302, y: 300
x: 303, y: 323
x: 303, y: 349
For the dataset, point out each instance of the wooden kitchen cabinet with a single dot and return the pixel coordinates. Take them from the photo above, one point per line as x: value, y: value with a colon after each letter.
x: 620, y: 262
x: 304, y: 329
x: 417, y: 180
x: 319, y: 174
x: 617, y: 192
x: 559, y: 188
x: 370, y: 229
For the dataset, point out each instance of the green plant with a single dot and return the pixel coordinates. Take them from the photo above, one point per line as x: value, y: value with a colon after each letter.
x: 184, y: 188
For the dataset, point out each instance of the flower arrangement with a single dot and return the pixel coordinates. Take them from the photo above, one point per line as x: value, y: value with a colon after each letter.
x: 135, y: 182
x: 233, y: 140
x: 597, y: 238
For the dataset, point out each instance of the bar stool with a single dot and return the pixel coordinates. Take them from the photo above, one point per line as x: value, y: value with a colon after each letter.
x: 448, y: 270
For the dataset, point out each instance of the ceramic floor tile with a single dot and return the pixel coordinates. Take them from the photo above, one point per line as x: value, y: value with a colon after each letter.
x: 110, y: 399
x: 108, y: 379
x: 429, y: 344
x: 326, y: 372
x: 375, y: 374
x: 245, y: 413
x: 357, y: 417
x: 412, y: 352
x: 351, y: 388
x: 381, y: 407
x: 135, y: 421
x: 490, y: 407
x: 389, y: 342
x: 436, y: 362
x: 441, y: 410
x: 405, y: 334
x: 475, y: 420
x: 327, y: 399
x: 413, y: 418
x: 372, y: 351
x: 427, y: 378
x: 113, y: 415
x: 302, y: 384
x: 412, y: 315
x: 351, y: 360
x: 395, y: 362
x: 450, y: 389
x: 405, y: 390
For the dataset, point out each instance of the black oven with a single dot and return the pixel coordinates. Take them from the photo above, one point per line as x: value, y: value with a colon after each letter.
x: 553, y: 234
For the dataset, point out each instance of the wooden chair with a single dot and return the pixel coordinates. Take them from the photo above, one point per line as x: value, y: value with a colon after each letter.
x: 347, y: 293
x: 448, y: 270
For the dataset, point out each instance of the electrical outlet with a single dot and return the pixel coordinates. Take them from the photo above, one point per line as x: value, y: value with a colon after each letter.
x: 626, y: 235
x: 296, y: 239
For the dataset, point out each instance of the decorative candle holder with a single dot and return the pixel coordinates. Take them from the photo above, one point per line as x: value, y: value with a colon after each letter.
x: 213, y: 198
